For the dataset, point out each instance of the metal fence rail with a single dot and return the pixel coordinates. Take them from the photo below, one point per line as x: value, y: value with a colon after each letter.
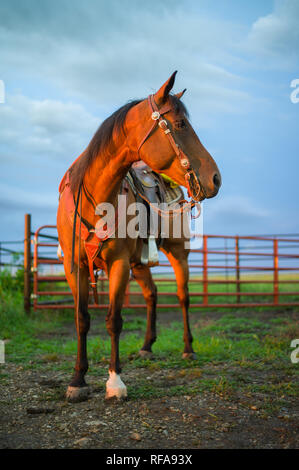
x: 227, y: 271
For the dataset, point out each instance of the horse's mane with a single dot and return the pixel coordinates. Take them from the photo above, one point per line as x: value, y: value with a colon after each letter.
x: 103, y: 138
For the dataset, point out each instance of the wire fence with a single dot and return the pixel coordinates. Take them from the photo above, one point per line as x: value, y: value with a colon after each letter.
x: 11, y: 257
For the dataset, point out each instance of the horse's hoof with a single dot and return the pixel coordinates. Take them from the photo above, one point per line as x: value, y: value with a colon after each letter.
x: 191, y: 356
x: 115, y: 387
x: 77, y: 394
x: 110, y: 399
x: 145, y: 354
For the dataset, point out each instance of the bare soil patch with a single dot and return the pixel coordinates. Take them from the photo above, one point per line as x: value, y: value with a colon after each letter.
x: 34, y: 414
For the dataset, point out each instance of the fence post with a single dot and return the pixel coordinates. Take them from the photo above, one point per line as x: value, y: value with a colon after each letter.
x: 205, y: 271
x: 275, y: 272
x: 27, y: 263
x: 237, y: 258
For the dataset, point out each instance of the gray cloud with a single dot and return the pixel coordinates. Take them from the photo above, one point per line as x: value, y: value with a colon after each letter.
x: 109, y: 52
x: 12, y: 197
x: 276, y: 35
x: 39, y: 140
x: 236, y: 213
x: 45, y: 127
x: 68, y: 64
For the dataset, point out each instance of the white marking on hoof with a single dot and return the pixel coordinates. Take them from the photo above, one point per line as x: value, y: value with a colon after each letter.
x: 115, y: 386
x: 189, y: 355
x: 145, y: 354
x: 77, y: 394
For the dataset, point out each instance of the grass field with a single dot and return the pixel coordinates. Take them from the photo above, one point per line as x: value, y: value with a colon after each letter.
x: 247, y: 339
x: 241, y: 391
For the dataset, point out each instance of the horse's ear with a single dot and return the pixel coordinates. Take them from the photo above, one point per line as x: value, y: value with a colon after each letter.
x: 162, y: 94
x: 179, y: 95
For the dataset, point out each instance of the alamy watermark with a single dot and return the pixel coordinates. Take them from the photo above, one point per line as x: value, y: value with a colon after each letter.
x: 294, y: 96
x: 134, y: 220
x: 2, y: 92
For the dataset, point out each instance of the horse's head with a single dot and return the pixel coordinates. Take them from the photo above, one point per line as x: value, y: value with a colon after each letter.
x: 165, y: 140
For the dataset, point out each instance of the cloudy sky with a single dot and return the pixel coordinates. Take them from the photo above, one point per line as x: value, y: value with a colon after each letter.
x: 68, y: 64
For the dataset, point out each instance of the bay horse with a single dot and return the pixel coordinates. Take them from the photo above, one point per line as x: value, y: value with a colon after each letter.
x: 157, y: 131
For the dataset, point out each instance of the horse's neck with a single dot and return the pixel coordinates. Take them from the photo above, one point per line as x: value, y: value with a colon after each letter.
x: 103, y: 179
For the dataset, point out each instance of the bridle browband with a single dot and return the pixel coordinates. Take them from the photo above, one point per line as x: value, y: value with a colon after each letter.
x: 192, y: 181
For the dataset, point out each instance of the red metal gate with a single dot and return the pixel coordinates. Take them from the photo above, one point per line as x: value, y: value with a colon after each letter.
x: 227, y: 271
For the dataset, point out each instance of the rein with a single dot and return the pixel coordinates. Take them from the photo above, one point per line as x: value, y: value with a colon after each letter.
x: 74, y: 225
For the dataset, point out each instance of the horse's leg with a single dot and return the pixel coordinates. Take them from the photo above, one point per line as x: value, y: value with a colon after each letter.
x: 143, y: 276
x: 178, y: 257
x: 77, y: 389
x: 118, y: 274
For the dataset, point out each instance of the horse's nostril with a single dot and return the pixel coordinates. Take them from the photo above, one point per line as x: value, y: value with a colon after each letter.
x: 216, y: 180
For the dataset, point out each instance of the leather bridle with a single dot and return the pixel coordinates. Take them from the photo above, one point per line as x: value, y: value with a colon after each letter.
x: 192, y: 181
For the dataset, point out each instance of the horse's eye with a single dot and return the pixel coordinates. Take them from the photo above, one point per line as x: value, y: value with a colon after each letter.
x: 180, y: 124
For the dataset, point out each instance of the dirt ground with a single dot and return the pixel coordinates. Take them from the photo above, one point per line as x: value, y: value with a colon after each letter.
x: 35, y: 414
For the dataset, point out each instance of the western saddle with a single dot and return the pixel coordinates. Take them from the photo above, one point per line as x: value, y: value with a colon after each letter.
x: 151, y: 189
